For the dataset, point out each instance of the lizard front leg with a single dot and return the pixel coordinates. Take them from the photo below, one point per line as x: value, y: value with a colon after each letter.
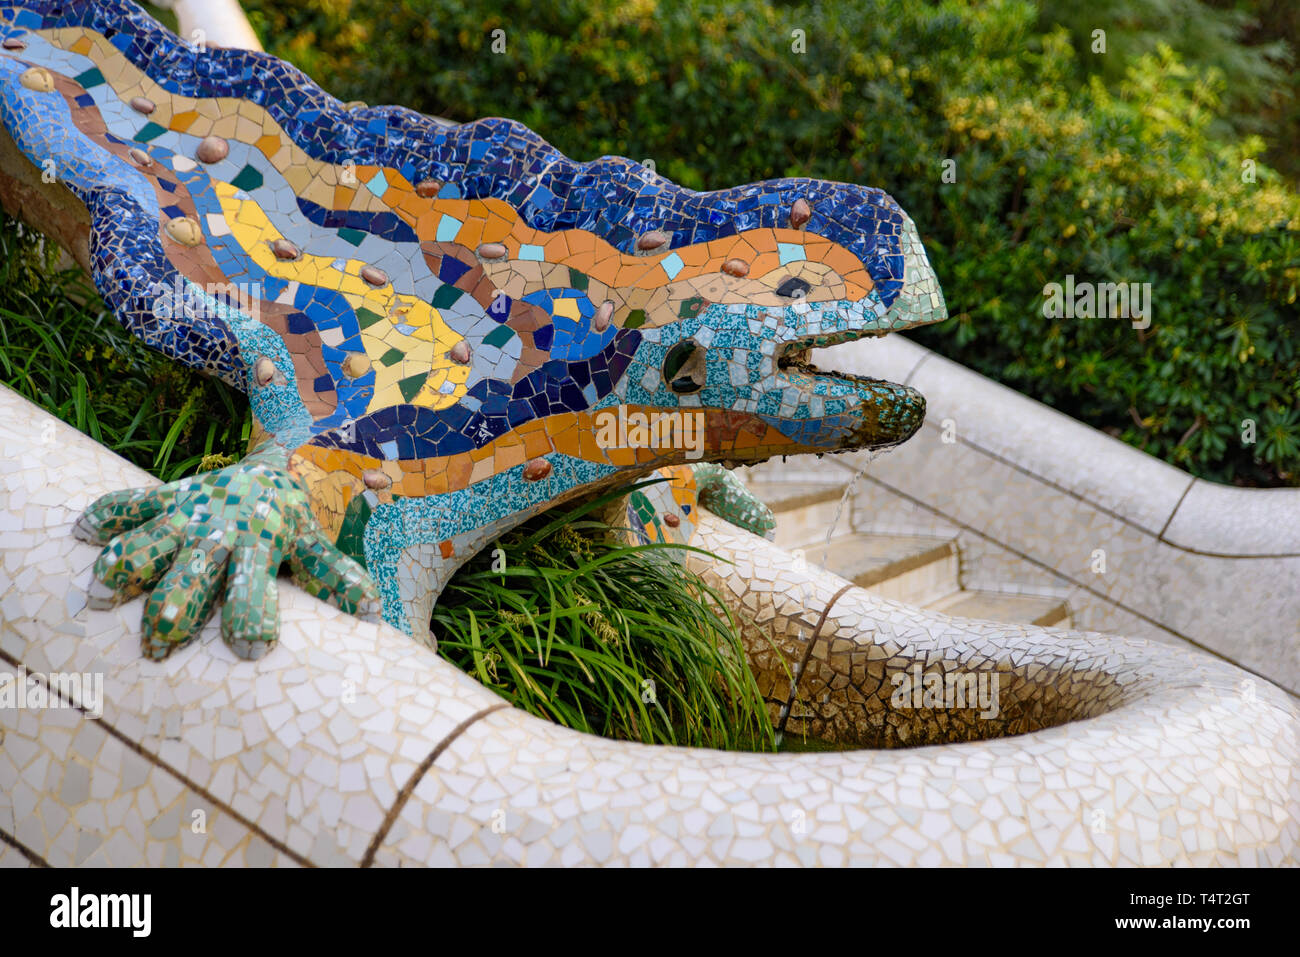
x: 218, y: 534
x: 666, y: 511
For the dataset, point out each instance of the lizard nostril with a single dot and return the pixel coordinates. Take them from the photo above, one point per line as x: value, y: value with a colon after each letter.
x: 684, y: 369
x: 793, y: 287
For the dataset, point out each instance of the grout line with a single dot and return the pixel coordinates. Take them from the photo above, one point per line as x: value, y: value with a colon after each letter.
x: 157, y: 762
x: 23, y: 849
x: 1170, y: 520
x: 417, y: 775
x: 807, y: 653
x: 917, y: 368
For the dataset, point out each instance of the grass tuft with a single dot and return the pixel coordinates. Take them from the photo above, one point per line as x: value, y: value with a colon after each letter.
x: 567, y: 623
x: 63, y: 350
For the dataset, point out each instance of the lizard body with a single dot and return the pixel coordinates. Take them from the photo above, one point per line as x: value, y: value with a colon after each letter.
x: 436, y: 325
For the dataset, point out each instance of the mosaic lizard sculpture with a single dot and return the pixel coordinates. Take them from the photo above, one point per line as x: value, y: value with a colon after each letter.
x: 442, y: 330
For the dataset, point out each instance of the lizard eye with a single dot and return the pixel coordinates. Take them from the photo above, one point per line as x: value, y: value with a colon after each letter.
x: 793, y: 288
x: 684, y: 369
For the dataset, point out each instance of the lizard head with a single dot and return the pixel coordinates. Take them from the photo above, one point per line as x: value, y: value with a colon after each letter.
x: 734, y: 339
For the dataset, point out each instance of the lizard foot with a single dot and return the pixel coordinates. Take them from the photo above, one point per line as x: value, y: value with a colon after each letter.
x: 725, y: 496
x: 230, y: 530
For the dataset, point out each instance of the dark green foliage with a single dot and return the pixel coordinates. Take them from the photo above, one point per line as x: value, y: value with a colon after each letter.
x: 1129, y: 178
x: 1243, y: 40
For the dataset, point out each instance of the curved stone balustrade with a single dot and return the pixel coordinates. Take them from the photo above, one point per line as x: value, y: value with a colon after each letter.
x: 350, y: 744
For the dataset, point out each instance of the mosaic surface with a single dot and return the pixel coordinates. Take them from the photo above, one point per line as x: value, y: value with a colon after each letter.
x: 441, y: 329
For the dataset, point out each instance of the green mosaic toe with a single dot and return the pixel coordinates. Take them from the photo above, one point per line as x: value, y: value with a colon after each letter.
x: 218, y: 535
x: 251, y: 615
x: 116, y: 512
x: 136, y: 559
x: 322, y: 570
x: 726, y: 497
x: 181, y: 602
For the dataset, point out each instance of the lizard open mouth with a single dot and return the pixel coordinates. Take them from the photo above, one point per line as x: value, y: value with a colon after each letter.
x: 795, y: 355
x: 879, y: 414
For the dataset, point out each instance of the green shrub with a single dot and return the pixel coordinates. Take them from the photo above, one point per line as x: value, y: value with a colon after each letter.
x: 1056, y: 174
x: 567, y: 624
x: 1245, y: 41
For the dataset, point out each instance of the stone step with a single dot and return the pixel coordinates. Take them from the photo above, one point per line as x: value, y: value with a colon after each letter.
x: 921, y: 570
x: 1043, y: 610
x: 913, y: 569
x: 803, y: 512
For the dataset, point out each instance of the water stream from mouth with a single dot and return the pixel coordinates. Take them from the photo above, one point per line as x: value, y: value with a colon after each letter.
x: 849, y: 490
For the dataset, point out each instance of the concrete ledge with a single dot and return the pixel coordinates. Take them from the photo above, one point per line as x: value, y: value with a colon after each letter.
x: 1081, y: 461
x: 1237, y: 522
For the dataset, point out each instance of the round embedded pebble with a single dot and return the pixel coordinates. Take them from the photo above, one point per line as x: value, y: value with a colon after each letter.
x: 13, y: 43
x: 427, y: 188
x: 140, y: 157
x: 800, y: 213
x: 374, y: 275
x: 142, y: 104
x: 672, y: 520
x: 652, y: 240
x: 212, y: 149
x: 264, y: 371
x: 39, y: 79
x: 460, y: 352
x: 736, y: 267
x: 184, y: 230
x: 492, y: 251
x: 600, y: 321
x: 354, y: 105
x: 375, y: 479
x: 284, y: 249
x: 356, y: 365
x: 537, y: 469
